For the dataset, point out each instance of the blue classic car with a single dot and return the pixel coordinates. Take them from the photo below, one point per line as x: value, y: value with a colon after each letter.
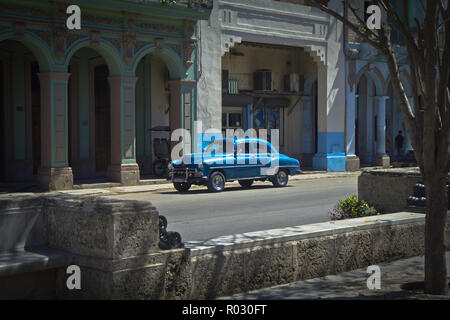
x: 244, y: 159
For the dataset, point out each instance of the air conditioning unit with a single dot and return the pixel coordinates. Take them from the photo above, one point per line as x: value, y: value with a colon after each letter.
x: 263, y: 80
x: 293, y: 82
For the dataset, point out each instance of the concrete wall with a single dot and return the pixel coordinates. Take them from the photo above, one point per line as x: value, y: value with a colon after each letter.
x: 115, y: 243
x: 239, y: 263
x: 388, y: 189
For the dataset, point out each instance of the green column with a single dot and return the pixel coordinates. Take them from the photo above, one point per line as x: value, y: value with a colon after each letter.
x: 123, y: 167
x: 54, y: 172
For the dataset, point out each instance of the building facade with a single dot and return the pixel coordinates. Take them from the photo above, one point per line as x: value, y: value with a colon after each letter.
x: 328, y: 94
x: 276, y: 65
x: 82, y: 103
x: 90, y: 103
x: 373, y: 117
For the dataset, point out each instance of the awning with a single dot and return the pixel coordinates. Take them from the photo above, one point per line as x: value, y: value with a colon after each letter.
x: 274, y: 102
x: 236, y: 100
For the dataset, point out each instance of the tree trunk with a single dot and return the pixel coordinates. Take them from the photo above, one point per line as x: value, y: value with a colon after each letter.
x: 435, y: 227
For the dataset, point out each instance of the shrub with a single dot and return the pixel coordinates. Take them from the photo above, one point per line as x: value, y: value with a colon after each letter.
x: 352, y: 208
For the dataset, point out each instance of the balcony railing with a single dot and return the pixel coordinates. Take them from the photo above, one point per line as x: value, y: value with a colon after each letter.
x: 191, y: 3
x: 244, y: 81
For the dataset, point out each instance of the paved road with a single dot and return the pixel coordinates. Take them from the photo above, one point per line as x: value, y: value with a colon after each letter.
x: 199, y: 215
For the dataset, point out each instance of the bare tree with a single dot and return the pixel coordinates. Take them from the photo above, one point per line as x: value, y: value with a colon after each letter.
x: 427, y: 124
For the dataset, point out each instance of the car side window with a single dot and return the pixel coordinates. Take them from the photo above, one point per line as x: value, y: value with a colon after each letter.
x: 243, y: 148
x: 228, y: 146
x: 265, y: 147
x: 247, y: 147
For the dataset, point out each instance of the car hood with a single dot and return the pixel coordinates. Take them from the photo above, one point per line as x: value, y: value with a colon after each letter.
x: 198, y: 158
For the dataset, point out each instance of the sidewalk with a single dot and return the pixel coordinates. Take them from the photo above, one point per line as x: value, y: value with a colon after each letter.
x: 352, y: 285
x: 149, y: 185
x: 162, y: 184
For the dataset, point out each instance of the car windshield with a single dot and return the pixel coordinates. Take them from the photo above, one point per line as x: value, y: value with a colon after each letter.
x: 266, y: 147
x: 219, y: 146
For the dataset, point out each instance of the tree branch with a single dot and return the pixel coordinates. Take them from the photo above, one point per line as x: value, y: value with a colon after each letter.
x: 363, y: 35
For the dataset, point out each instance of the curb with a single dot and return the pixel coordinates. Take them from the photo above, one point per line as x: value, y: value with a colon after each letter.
x: 164, y: 185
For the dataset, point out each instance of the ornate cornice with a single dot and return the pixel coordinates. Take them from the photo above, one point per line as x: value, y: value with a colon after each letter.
x: 157, y: 27
x: 95, y: 38
x: 140, y: 44
x: 45, y: 35
x: 23, y: 10
x: 73, y: 37
x: 116, y: 42
x: 318, y: 53
x: 175, y: 48
x: 129, y: 42
x: 188, y: 49
x: 101, y: 20
x: 228, y: 42
x: 159, y: 42
x: 59, y: 36
x: 19, y: 30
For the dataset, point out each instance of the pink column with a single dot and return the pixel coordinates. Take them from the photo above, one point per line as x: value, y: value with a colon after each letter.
x: 181, y: 100
x: 54, y: 173
x: 123, y: 167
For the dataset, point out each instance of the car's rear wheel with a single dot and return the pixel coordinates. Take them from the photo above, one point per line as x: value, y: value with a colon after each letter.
x: 182, y: 186
x: 246, y: 183
x: 216, y: 182
x: 281, y: 179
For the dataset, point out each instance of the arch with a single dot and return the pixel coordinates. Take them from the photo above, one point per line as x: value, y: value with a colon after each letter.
x: 104, y: 48
x: 38, y: 47
x: 405, y: 78
x: 168, y: 55
x: 309, y: 84
x: 375, y: 75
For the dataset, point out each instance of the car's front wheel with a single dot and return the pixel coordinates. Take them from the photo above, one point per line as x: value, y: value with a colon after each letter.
x: 281, y: 179
x: 216, y: 182
x: 246, y: 183
x: 182, y: 186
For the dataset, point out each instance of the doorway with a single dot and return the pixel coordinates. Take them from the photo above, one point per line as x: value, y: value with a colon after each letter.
x: 35, y: 116
x: 102, y: 118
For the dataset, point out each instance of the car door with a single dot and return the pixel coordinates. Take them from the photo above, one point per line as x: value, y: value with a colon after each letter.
x: 228, y: 161
x: 246, y: 160
x: 268, y: 158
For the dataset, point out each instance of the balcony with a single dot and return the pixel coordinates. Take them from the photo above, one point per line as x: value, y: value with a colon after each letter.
x: 189, y: 3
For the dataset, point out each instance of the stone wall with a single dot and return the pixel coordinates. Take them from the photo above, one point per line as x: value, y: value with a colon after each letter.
x: 115, y: 244
x: 388, y: 189
x: 256, y: 260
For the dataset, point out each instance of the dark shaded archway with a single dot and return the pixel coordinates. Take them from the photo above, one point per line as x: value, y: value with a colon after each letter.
x: 20, y: 112
x: 89, y: 110
x: 102, y: 118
